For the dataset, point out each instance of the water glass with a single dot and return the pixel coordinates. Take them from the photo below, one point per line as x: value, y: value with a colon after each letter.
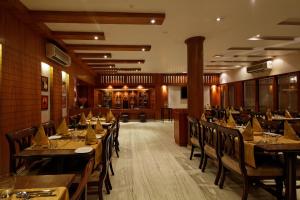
x: 7, y: 185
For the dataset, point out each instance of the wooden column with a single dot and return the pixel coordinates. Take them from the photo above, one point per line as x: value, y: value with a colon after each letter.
x: 298, y: 86
x: 195, y: 75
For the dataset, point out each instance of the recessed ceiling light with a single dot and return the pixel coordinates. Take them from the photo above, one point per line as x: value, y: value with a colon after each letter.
x: 257, y: 35
x: 218, y: 56
x: 218, y: 19
x: 105, y: 56
x: 139, y: 62
x: 152, y: 21
x: 143, y: 49
x: 110, y: 66
x: 96, y: 37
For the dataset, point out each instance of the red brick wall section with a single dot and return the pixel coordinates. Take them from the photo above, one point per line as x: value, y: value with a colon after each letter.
x: 20, y: 80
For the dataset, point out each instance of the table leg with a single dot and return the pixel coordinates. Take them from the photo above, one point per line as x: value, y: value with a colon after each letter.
x: 290, y: 166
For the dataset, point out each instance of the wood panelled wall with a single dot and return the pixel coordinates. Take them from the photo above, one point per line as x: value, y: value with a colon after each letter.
x: 20, y: 79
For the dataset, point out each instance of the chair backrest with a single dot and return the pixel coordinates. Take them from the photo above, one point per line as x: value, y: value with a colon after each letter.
x: 232, y: 145
x: 49, y: 128
x: 18, y: 141
x: 84, y: 179
x: 107, y: 150
x: 210, y: 134
x: 193, y: 128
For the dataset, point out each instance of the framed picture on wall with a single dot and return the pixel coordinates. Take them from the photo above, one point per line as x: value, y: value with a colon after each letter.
x: 64, y: 88
x: 44, y: 83
x: 44, y: 102
x: 64, y: 101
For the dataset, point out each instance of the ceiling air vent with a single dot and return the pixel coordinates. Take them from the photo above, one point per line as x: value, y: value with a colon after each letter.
x: 260, y: 67
x: 56, y: 54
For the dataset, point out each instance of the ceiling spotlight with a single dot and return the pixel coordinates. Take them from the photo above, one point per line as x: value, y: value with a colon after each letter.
x: 218, y: 56
x: 143, y: 49
x: 218, y: 19
x: 96, y: 37
x: 110, y: 66
x: 139, y: 62
x: 152, y: 21
x: 105, y: 56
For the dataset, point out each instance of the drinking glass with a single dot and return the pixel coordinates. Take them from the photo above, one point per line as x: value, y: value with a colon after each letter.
x: 7, y: 185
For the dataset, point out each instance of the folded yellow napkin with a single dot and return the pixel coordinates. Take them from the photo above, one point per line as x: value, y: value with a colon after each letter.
x: 241, y: 109
x: 256, y: 125
x: 82, y: 119
x: 40, y: 137
x: 203, y: 117
x: 289, y: 132
x: 90, y: 115
x: 230, y: 121
x: 99, y: 129
x: 248, y: 133
x: 62, y: 128
x: 287, y: 114
x: 110, y: 117
x: 269, y: 115
x: 227, y: 111
x: 90, y: 137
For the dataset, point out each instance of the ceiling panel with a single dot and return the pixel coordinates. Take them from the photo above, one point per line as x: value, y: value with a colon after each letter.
x: 242, y: 19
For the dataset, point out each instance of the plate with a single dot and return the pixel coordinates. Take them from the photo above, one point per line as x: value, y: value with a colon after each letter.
x: 54, y: 137
x: 86, y: 149
x: 99, y: 136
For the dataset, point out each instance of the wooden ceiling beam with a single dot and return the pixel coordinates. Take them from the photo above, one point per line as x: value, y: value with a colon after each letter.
x: 108, y: 47
x: 281, y: 49
x: 67, y: 35
x: 98, y: 17
x: 93, y: 55
x: 113, y: 61
x: 102, y: 66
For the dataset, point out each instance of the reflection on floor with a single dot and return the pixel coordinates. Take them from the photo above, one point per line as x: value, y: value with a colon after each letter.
x: 152, y: 167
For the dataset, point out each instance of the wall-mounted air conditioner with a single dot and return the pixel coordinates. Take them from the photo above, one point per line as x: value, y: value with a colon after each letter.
x: 56, y: 54
x: 260, y: 67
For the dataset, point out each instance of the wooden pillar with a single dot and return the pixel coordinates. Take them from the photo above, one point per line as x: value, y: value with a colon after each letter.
x: 195, y: 75
x: 275, y: 93
x: 298, y: 86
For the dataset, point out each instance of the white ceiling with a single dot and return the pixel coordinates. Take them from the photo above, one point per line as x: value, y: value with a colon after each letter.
x: 184, y: 18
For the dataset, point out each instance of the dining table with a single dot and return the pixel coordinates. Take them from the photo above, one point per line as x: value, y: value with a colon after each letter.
x: 65, y: 146
x: 276, y: 144
x: 51, y: 187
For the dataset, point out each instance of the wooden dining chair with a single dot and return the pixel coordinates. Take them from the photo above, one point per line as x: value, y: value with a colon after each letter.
x: 49, y: 128
x: 211, y: 146
x: 83, y: 180
x: 100, y: 176
x: 195, y: 135
x: 18, y: 141
x: 116, y: 136
x: 232, y: 154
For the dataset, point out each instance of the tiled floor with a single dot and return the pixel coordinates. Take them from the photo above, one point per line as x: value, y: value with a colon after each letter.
x: 152, y: 167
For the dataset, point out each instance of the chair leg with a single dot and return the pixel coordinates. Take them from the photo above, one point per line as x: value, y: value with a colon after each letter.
x: 109, y: 183
x: 279, y: 187
x: 100, y: 186
x: 111, y: 169
x: 222, y: 178
x: 192, y: 152
x: 218, y: 173
x: 204, y: 162
x: 245, y: 189
x: 201, y: 160
x: 107, y: 186
x: 117, y: 152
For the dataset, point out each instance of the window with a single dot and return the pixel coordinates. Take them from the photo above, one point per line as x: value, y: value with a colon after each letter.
x: 231, y: 95
x: 288, y: 92
x: 265, y: 94
x: 249, y: 95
